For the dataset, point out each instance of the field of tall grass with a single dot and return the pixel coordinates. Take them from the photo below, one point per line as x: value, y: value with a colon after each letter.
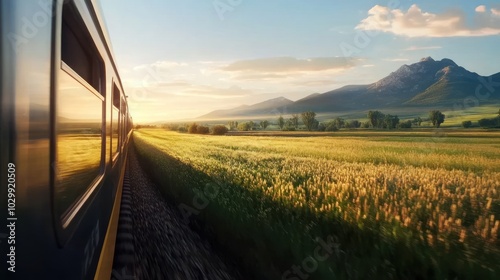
x: 398, y: 206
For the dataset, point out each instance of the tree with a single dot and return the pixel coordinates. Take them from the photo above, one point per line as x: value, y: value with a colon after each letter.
x: 354, y: 124
x: 405, y: 124
x: 315, y: 125
x: 202, y: 129
x: 490, y: 123
x: 251, y: 124
x: 436, y: 117
x: 391, y: 121
x: 330, y: 126
x: 309, y: 119
x: 281, y: 122
x: 289, y: 125
x: 233, y: 125
x: 339, y: 122
x: 193, y: 128
x: 219, y: 130
x: 466, y: 124
x: 417, y: 121
x: 244, y: 126
x: 264, y: 124
x: 295, y: 120
x: 376, y: 118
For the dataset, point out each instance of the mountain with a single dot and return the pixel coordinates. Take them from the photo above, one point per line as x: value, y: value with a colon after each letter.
x: 427, y: 83
x: 310, y: 96
x: 265, y: 108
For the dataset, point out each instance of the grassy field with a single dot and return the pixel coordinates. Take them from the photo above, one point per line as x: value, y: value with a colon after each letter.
x: 396, y: 205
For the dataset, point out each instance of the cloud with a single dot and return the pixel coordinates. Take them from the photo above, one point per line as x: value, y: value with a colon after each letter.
x: 419, y: 48
x: 396, y: 59
x: 481, y: 9
x: 417, y: 23
x: 290, y: 64
x: 260, y: 76
x: 314, y: 83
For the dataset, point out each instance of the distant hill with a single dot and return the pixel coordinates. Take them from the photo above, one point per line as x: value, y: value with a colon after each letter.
x: 427, y: 83
x: 263, y: 108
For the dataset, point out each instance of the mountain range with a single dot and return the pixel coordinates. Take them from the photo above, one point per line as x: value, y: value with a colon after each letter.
x: 425, y: 84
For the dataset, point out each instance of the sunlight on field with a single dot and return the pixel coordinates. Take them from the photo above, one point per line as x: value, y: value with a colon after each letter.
x: 441, y: 191
x: 79, y: 158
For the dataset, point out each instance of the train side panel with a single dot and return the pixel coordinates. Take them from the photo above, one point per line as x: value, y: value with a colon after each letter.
x: 57, y: 127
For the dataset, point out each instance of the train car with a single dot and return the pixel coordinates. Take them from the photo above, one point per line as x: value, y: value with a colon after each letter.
x: 64, y: 129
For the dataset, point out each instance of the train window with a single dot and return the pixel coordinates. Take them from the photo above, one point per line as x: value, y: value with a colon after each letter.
x: 80, y: 118
x: 78, y: 50
x: 115, y: 119
x: 123, y: 112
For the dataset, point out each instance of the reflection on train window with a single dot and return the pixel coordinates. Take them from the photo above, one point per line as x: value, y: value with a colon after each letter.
x: 79, y: 141
x: 78, y: 51
x: 122, y: 126
x: 79, y: 114
x: 116, y: 112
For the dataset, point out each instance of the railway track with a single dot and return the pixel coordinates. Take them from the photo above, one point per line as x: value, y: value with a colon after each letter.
x: 154, y: 242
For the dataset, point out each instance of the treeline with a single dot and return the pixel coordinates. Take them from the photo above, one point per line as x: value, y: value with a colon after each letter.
x: 485, y: 122
x: 490, y: 123
x: 307, y: 121
x: 195, y: 128
x: 139, y: 126
x: 376, y: 119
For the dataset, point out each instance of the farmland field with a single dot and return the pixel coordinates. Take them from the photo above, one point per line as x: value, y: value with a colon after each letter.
x: 396, y: 205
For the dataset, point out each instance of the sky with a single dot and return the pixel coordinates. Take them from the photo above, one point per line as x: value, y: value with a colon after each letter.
x: 180, y: 59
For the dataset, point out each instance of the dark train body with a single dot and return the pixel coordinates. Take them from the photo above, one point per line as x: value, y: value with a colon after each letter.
x: 64, y: 131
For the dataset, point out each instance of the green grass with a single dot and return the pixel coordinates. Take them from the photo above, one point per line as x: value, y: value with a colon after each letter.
x: 403, y: 204
x: 456, y: 117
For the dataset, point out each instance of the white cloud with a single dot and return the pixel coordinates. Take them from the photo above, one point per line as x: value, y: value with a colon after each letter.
x: 396, y: 59
x: 314, y: 83
x: 417, y: 23
x: 495, y: 12
x: 481, y: 9
x: 419, y: 48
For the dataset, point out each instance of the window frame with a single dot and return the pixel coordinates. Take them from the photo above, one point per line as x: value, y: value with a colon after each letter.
x: 67, y: 220
x: 115, y: 153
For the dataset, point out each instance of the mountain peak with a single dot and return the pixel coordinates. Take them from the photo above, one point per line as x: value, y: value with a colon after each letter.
x: 416, y: 77
x: 427, y: 59
x: 448, y: 62
x: 281, y: 98
x: 440, y: 63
